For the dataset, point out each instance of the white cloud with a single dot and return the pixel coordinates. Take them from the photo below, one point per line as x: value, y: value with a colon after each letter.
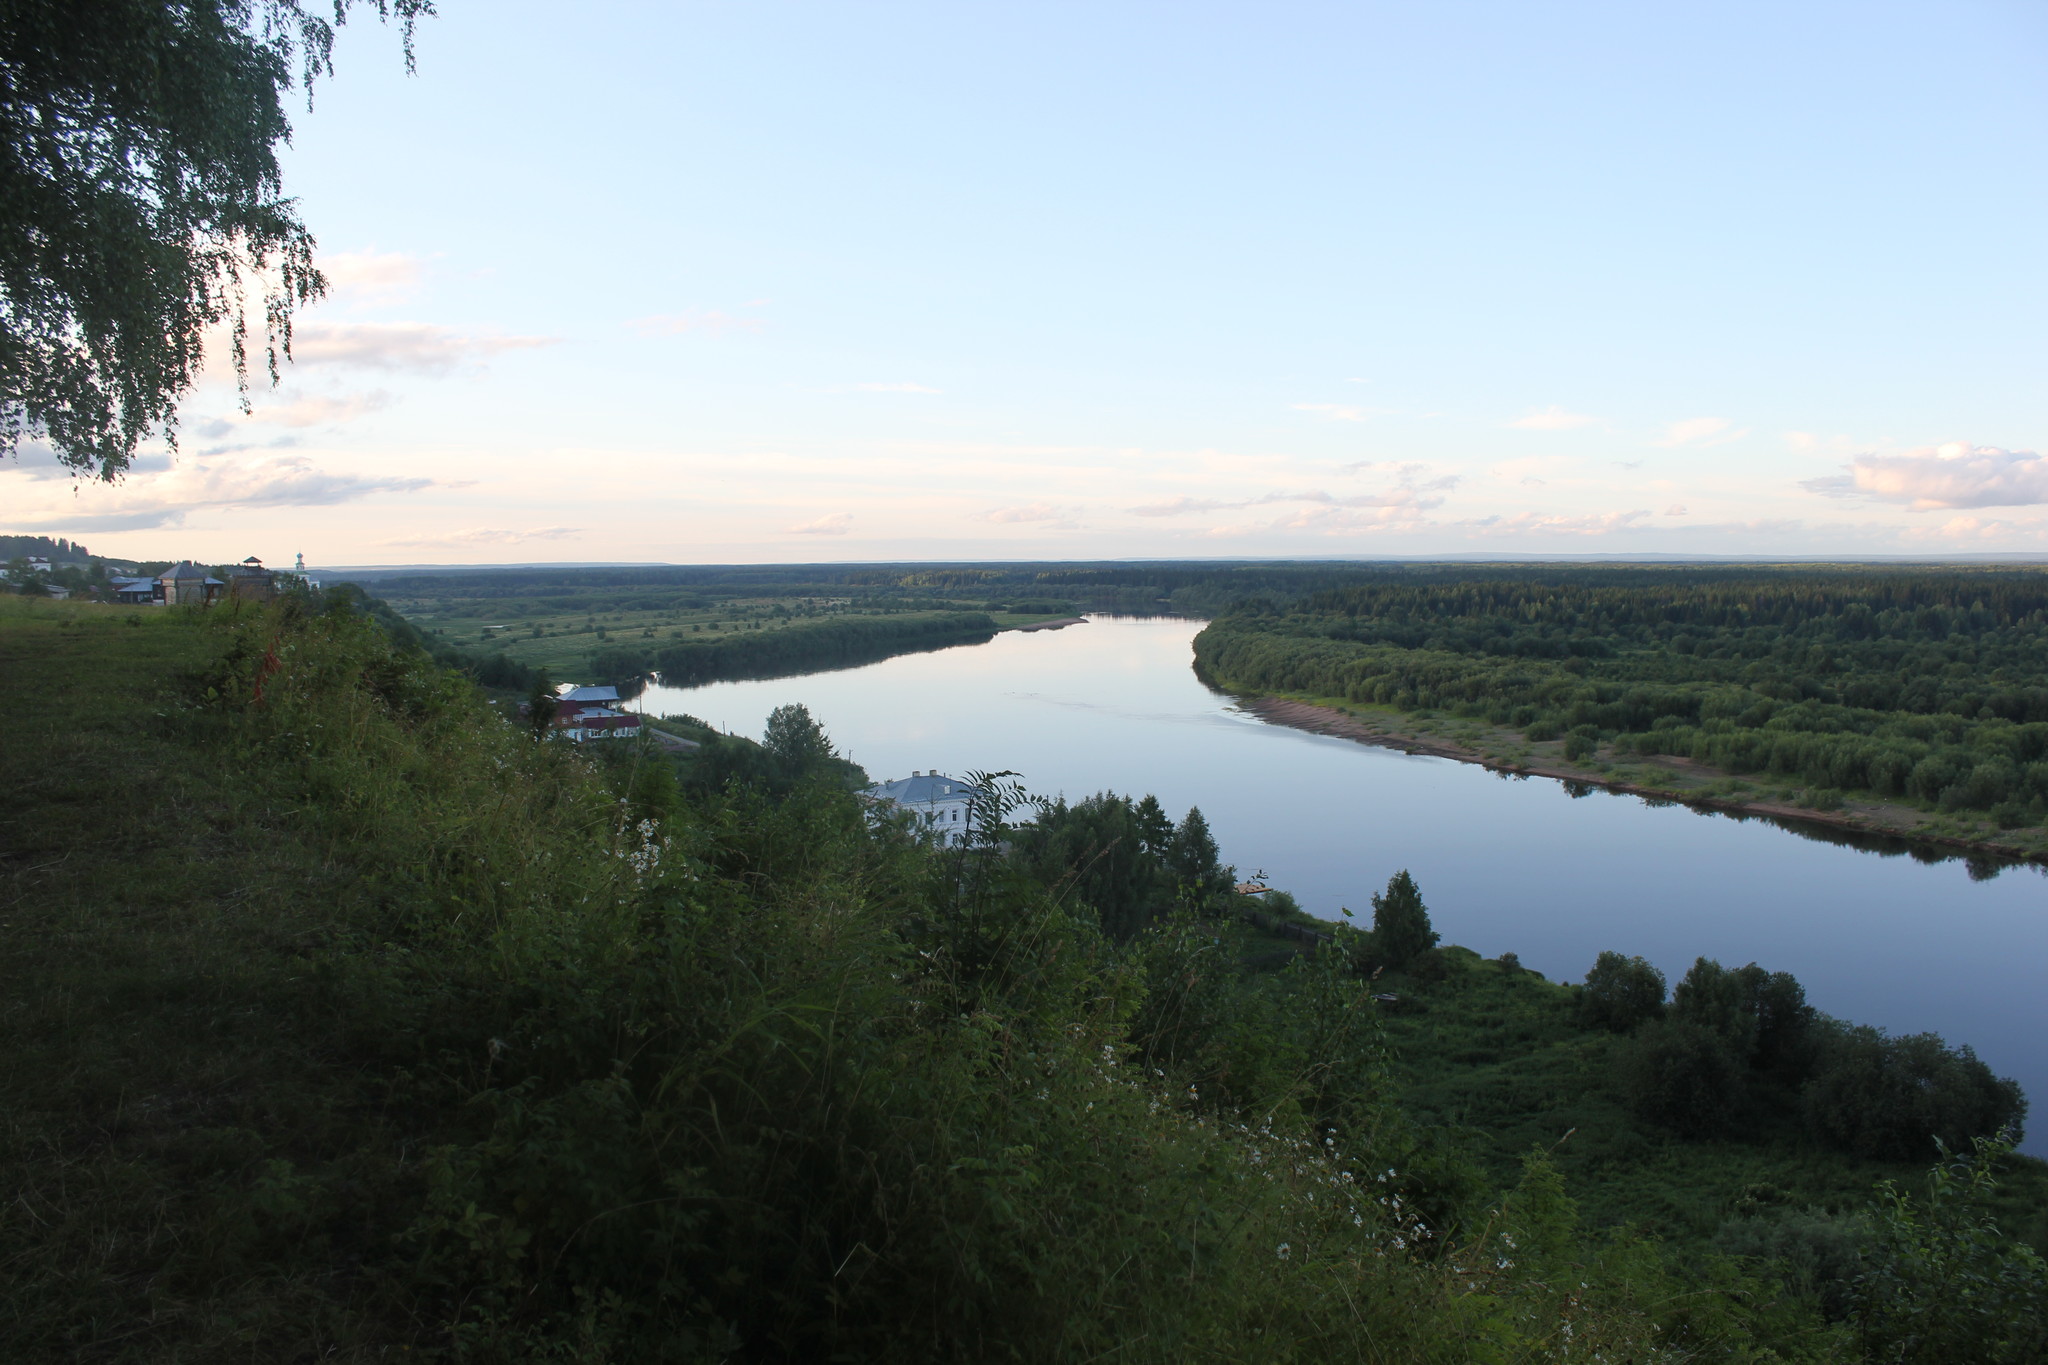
x: 1340, y: 412
x: 1954, y: 475
x: 371, y: 277
x: 711, y: 322
x: 1182, y: 506
x: 1407, y: 493
x: 1675, y: 510
x: 1966, y: 530
x: 1813, y: 443
x: 1347, y: 521
x: 1553, y: 418
x: 199, y: 485
x: 489, y: 536
x: 1551, y: 523
x: 832, y: 524
x: 316, y: 411
x: 1037, y: 511
x: 1701, y: 431
x: 37, y: 460
x: 410, y: 347
x: 897, y: 387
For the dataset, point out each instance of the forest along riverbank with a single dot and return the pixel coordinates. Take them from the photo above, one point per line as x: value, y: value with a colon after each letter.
x: 1504, y: 750
x: 1911, y: 703
x: 1505, y: 865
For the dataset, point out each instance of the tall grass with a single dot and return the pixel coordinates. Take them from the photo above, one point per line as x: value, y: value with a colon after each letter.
x: 348, y: 1022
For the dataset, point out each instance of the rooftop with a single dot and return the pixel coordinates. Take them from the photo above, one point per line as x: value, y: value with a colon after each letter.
x: 922, y: 789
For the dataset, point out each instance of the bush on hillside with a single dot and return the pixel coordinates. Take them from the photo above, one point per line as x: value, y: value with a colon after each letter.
x: 1621, y: 993
x: 1903, y: 1099
x: 1683, y: 1077
x: 1940, y: 1283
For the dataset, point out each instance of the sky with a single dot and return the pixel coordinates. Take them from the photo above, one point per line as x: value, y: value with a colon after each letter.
x: 776, y: 282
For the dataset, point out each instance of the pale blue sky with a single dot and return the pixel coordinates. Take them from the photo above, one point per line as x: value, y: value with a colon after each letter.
x: 799, y: 281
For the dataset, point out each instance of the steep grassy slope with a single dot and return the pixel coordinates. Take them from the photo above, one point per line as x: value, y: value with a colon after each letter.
x: 346, y: 1022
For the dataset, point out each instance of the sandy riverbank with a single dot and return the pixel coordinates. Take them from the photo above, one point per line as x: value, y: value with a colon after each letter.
x: 1658, y: 778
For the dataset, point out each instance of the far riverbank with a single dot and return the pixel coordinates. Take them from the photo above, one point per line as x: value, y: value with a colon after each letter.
x: 1658, y: 778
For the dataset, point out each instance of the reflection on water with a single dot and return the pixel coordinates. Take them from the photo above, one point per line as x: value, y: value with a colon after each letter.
x: 1914, y: 938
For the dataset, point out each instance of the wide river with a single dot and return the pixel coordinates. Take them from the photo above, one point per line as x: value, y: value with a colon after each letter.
x: 1504, y: 864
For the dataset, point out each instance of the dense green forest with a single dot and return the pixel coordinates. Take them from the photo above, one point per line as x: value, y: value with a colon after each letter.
x: 347, y: 1020
x: 700, y: 625
x: 827, y: 644
x: 55, y: 549
x: 1924, y: 686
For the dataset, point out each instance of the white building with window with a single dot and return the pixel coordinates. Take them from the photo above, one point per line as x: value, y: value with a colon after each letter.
x: 938, y: 803
x: 587, y: 713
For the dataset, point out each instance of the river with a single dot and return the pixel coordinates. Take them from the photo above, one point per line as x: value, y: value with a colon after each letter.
x: 1520, y: 865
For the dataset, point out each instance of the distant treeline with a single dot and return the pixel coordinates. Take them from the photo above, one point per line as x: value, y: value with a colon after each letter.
x: 831, y: 643
x: 1927, y: 686
x: 1187, y: 588
x: 14, y: 547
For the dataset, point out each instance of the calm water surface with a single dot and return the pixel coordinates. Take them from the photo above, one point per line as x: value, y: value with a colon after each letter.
x: 1504, y: 865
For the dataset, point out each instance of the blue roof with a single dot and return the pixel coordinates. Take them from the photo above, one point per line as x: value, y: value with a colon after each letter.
x: 923, y: 789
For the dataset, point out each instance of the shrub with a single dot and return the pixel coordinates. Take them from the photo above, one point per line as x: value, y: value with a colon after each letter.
x: 1681, y: 1076
x: 1813, y: 1253
x: 1940, y: 1283
x: 1904, y: 1099
x: 1621, y: 993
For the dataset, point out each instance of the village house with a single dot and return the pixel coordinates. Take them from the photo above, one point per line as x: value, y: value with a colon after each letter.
x: 944, y: 805
x: 586, y: 713
x: 249, y: 581
x: 188, y: 585
x: 135, y: 590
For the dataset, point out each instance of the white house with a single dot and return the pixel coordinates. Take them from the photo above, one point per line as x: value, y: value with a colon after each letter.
x: 585, y: 713
x: 944, y: 805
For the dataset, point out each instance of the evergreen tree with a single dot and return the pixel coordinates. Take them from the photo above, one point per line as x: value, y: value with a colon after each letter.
x: 1192, y: 855
x: 1153, y: 826
x: 1400, y: 922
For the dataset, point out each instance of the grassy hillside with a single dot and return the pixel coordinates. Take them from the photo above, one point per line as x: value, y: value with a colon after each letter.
x: 346, y: 1022
x: 1495, y: 1053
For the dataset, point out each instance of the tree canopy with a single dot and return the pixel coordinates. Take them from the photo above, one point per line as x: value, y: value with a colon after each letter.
x: 1621, y: 992
x: 1400, y: 922
x: 141, y: 203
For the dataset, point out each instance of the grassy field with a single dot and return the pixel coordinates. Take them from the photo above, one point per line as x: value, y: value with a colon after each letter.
x: 165, y: 1037
x: 559, y: 631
